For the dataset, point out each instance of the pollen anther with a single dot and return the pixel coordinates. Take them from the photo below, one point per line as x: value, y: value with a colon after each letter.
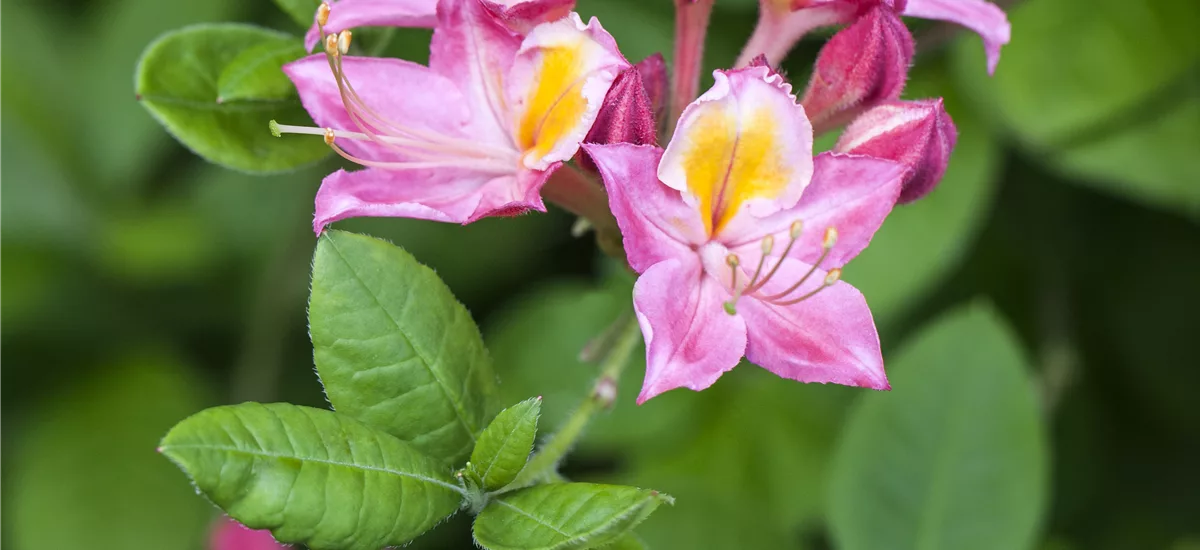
x: 343, y: 41
x: 756, y: 282
x: 323, y: 14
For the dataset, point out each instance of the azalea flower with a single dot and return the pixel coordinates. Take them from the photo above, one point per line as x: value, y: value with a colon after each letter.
x: 475, y: 134
x: 782, y: 23
x: 519, y: 15
x: 740, y: 234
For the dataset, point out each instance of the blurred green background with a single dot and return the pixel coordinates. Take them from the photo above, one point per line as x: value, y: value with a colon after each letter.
x: 1037, y: 310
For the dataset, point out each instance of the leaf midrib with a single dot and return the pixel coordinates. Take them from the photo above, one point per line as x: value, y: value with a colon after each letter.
x: 454, y: 404
x: 350, y: 465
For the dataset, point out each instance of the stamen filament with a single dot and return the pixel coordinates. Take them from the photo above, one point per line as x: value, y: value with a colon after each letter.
x: 830, y: 280
x: 826, y: 245
x: 793, y: 235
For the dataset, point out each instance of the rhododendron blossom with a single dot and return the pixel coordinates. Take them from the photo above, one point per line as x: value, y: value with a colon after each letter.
x: 475, y: 134
x: 739, y: 235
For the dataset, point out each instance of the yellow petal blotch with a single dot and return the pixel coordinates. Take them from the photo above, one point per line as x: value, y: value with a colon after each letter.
x: 730, y: 159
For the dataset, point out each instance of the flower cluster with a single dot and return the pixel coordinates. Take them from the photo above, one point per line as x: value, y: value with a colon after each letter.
x: 739, y: 233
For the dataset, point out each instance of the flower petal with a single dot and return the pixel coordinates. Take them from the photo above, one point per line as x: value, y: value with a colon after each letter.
x: 475, y: 51
x: 829, y: 337
x: 441, y: 195
x: 228, y: 534
x: 347, y: 14
x: 981, y: 16
x: 558, y: 83
x: 656, y: 222
x: 506, y: 197
x: 398, y: 90
x: 743, y: 145
x: 850, y: 193
x: 690, y: 339
x: 523, y: 15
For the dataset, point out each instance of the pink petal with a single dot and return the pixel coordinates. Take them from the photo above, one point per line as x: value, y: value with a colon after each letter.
x: 862, y: 65
x: 506, y: 197
x: 850, y: 193
x: 690, y: 339
x: 983, y: 17
x: 475, y: 51
x: 744, y: 146
x: 522, y: 15
x: 828, y: 338
x: 656, y: 223
x: 228, y: 534
x: 347, y: 14
x: 557, y: 86
x: 403, y: 92
x: 443, y: 195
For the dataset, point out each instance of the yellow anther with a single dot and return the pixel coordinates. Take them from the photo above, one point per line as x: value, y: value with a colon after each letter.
x: 732, y: 260
x: 833, y: 276
x: 830, y: 238
x: 768, y: 243
x: 329, y: 136
x: 343, y: 42
x: 323, y: 14
x: 331, y: 44
x: 797, y: 228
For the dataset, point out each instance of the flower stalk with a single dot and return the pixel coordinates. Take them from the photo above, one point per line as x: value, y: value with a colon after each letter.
x: 691, y: 27
x: 544, y: 464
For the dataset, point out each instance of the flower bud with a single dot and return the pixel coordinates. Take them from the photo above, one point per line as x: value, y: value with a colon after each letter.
x: 523, y: 15
x: 918, y: 134
x: 863, y: 65
x: 654, y: 78
x: 625, y: 116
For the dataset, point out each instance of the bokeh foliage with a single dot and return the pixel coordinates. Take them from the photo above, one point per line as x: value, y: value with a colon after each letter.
x: 141, y: 284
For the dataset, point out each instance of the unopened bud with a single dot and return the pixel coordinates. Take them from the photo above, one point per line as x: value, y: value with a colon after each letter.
x: 863, y: 65
x: 655, y: 80
x: 918, y: 134
x: 624, y: 117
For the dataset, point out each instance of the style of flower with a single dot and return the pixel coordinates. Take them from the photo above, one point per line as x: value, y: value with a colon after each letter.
x: 475, y: 134
x: 518, y: 15
x: 783, y: 22
x: 739, y: 235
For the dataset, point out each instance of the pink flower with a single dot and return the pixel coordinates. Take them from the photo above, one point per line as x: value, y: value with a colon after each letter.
x: 475, y: 134
x: 783, y: 22
x: 739, y: 235
x: 918, y: 134
x: 228, y: 534
x: 518, y: 15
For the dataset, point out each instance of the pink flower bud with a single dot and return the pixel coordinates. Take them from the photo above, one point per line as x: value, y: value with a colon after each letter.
x: 231, y: 535
x: 625, y: 116
x: 863, y: 65
x: 654, y: 78
x: 918, y: 134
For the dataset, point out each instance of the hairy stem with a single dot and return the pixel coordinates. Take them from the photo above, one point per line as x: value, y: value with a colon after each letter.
x: 543, y: 465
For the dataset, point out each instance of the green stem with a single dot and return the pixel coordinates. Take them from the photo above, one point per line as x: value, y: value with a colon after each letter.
x: 544, y: 464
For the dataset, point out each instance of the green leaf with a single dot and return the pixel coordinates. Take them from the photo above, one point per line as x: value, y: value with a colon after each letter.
x: 395, y: 349
x: 312, y: 476
x: 178, y: 82
x: 255, y: 74
x: 504, y: 446
x: 954, y: 455
x: 121, y: 146
x: 302, y: 11
x: 564, y: 515
x: 928, y: 237
x: 82, y: 472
